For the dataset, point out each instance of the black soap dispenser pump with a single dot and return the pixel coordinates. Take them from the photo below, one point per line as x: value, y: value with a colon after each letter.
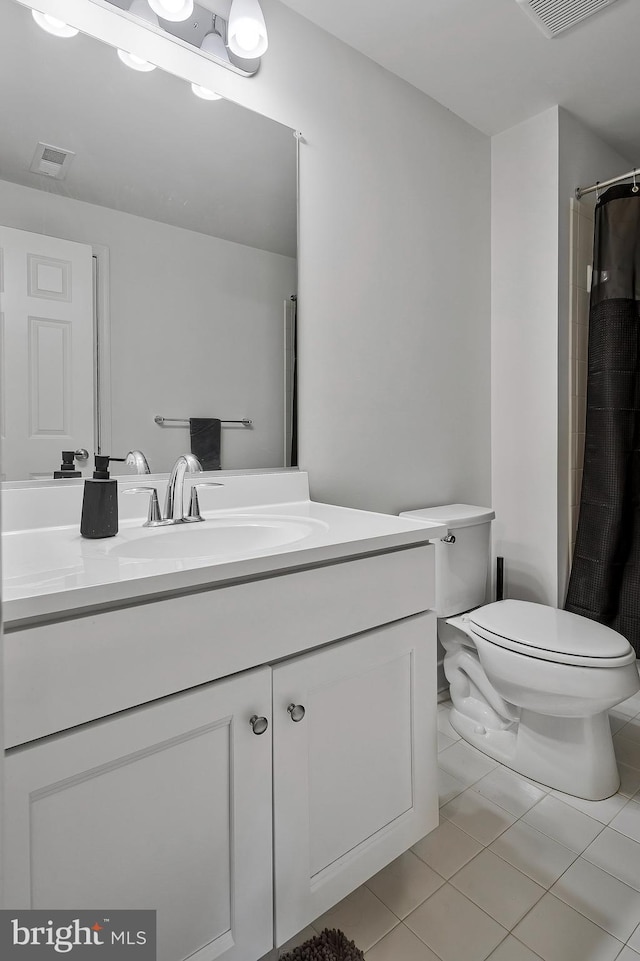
x: 100, y: 501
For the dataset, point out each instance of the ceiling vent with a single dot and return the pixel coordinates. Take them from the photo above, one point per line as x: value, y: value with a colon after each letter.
x: 555, y: 16
x: 51, y: 161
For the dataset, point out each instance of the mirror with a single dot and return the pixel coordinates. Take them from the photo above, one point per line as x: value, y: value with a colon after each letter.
x: 175, y: 221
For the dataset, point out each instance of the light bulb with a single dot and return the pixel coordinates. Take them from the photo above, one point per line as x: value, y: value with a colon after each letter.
x: 204, y: 93
x: 52, y: 25
x: 247, y: 29
x: 136, y: 63
x: 141, y: 9
x: 247, y: 35
x: 172, y: 9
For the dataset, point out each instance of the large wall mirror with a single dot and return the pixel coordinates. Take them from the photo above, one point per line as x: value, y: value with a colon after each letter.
x: 161, y: 266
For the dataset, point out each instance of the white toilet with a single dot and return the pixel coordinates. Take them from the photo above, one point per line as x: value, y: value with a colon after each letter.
x: 530, y: 685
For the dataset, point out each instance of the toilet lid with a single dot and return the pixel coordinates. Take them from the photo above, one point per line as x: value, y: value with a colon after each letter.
x: 549, y: 633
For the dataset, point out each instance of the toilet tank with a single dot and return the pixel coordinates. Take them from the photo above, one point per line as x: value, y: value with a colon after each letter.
x: 462, y: 565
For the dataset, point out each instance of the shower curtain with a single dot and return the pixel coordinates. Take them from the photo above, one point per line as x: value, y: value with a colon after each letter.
x: 605, y: 576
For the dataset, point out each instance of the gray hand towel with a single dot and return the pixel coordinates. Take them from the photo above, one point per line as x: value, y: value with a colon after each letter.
x: 205, y: 441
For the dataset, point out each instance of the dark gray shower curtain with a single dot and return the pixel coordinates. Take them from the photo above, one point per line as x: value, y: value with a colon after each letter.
x: 605, y: 577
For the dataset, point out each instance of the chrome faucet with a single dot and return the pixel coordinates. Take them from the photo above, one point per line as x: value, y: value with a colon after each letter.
x: 137, y: 460
x: 174, y: 500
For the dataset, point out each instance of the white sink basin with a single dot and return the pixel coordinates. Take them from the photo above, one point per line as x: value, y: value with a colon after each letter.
x: 239, y: 534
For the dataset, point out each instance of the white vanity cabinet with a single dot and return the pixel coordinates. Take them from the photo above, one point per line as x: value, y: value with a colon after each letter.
x: 167, y: 806
x: 351, y: 774
x: 134, y: 777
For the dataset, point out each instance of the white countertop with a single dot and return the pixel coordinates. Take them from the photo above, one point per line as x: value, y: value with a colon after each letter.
x: 52, y: 573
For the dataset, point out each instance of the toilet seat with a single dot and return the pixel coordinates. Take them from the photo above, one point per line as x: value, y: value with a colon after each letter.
x: 546, y: 633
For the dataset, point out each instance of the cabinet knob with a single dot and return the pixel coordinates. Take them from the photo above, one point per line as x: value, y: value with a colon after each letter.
x: 296, y: 712
x: 258, y: 724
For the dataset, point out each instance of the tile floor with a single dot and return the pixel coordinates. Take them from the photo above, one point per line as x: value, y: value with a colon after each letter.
x: 514, y: 872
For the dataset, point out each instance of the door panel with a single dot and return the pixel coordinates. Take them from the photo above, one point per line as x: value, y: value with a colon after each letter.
x: 355, y: 780
x: 46, y: 313
x: 165, y: 807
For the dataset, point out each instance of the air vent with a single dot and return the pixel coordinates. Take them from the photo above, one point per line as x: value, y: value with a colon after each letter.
x: 51, y: 161
x: 555, y: 16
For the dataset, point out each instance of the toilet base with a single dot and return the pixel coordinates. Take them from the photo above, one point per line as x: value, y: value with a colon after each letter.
x: 570, y: 754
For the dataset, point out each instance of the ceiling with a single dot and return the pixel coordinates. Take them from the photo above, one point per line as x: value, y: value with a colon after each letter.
x: 144, y: 143
x: 488, y: 62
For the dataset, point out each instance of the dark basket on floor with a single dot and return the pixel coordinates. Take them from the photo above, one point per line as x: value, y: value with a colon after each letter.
x: 327, y: 946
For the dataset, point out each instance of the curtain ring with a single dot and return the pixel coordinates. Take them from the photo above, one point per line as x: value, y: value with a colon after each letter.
x: 635, y: 188
x: 597, y: 191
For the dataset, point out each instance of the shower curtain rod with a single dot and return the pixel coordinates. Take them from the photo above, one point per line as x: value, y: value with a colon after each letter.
x: 581, y: 191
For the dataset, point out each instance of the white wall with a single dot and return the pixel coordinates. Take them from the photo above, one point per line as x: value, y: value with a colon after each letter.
x: 524, y: 355
x: 393, y: 268
x: 536, y: 167
x: 196, y: 327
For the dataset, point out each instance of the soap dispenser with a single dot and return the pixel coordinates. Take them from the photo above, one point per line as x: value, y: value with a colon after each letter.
x: 100, y: 501
x: 67, y: 467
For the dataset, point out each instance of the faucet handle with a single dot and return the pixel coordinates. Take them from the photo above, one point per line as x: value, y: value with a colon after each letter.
x: 154, y: 517
x: 194, y: 506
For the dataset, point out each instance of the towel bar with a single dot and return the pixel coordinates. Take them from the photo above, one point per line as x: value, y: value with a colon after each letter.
x: 184, y: 421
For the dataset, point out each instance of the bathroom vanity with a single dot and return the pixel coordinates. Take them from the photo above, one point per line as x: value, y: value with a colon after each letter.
x: 235, y: 729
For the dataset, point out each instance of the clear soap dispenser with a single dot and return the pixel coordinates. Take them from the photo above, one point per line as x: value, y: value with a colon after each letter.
x: 100, y: 501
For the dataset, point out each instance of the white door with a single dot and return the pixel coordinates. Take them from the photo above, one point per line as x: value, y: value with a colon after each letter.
x: 47, y: 351
x: 167, y: 807
x: 355, y: 777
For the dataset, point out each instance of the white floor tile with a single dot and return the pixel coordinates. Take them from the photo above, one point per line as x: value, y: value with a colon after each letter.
x: 477, y: 816
x: 405, y: 883
x: 536, y: 855
x: 444, y: 741
x: 627, y: 750
x: 617, y: 721
x: 509, y: 790
x: 443, y: 722
x: 631, y: 730
x: 600, y: 897
x: 401, y: 944
x: 631, y: 706
x: 617, y: 855
x: 447, y: 849
x: 465, y: 763
x: 454, y: 927
x: 563, y: 823
x: 628, y: 955
x: 603, y: 811
x: 628, y: 821
x: 634, y: 940
x: 556, y: 932
x: 629, y: 780
x: 512, y: 950
x: 361, y: 916
x: 448, y: 786
x: 498, y: 888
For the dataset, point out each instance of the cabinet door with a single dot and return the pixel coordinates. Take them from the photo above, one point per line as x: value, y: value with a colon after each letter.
x: 167, y: 806
x: 355, y: 780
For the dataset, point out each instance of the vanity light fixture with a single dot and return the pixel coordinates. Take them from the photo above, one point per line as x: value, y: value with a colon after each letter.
x: 204, y: 93
x: 140, y: 9
x: 175, y: 10
x: 247, y: 32
x: 136, y: 63
x: 212, y: 43
x: 52, y: 25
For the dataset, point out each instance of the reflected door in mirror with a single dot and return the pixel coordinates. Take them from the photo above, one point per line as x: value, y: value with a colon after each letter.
x: 46, y: 312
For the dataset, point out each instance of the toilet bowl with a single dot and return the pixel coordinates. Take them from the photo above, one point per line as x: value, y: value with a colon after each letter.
x: 555, y: 675
x: 530, y: 685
